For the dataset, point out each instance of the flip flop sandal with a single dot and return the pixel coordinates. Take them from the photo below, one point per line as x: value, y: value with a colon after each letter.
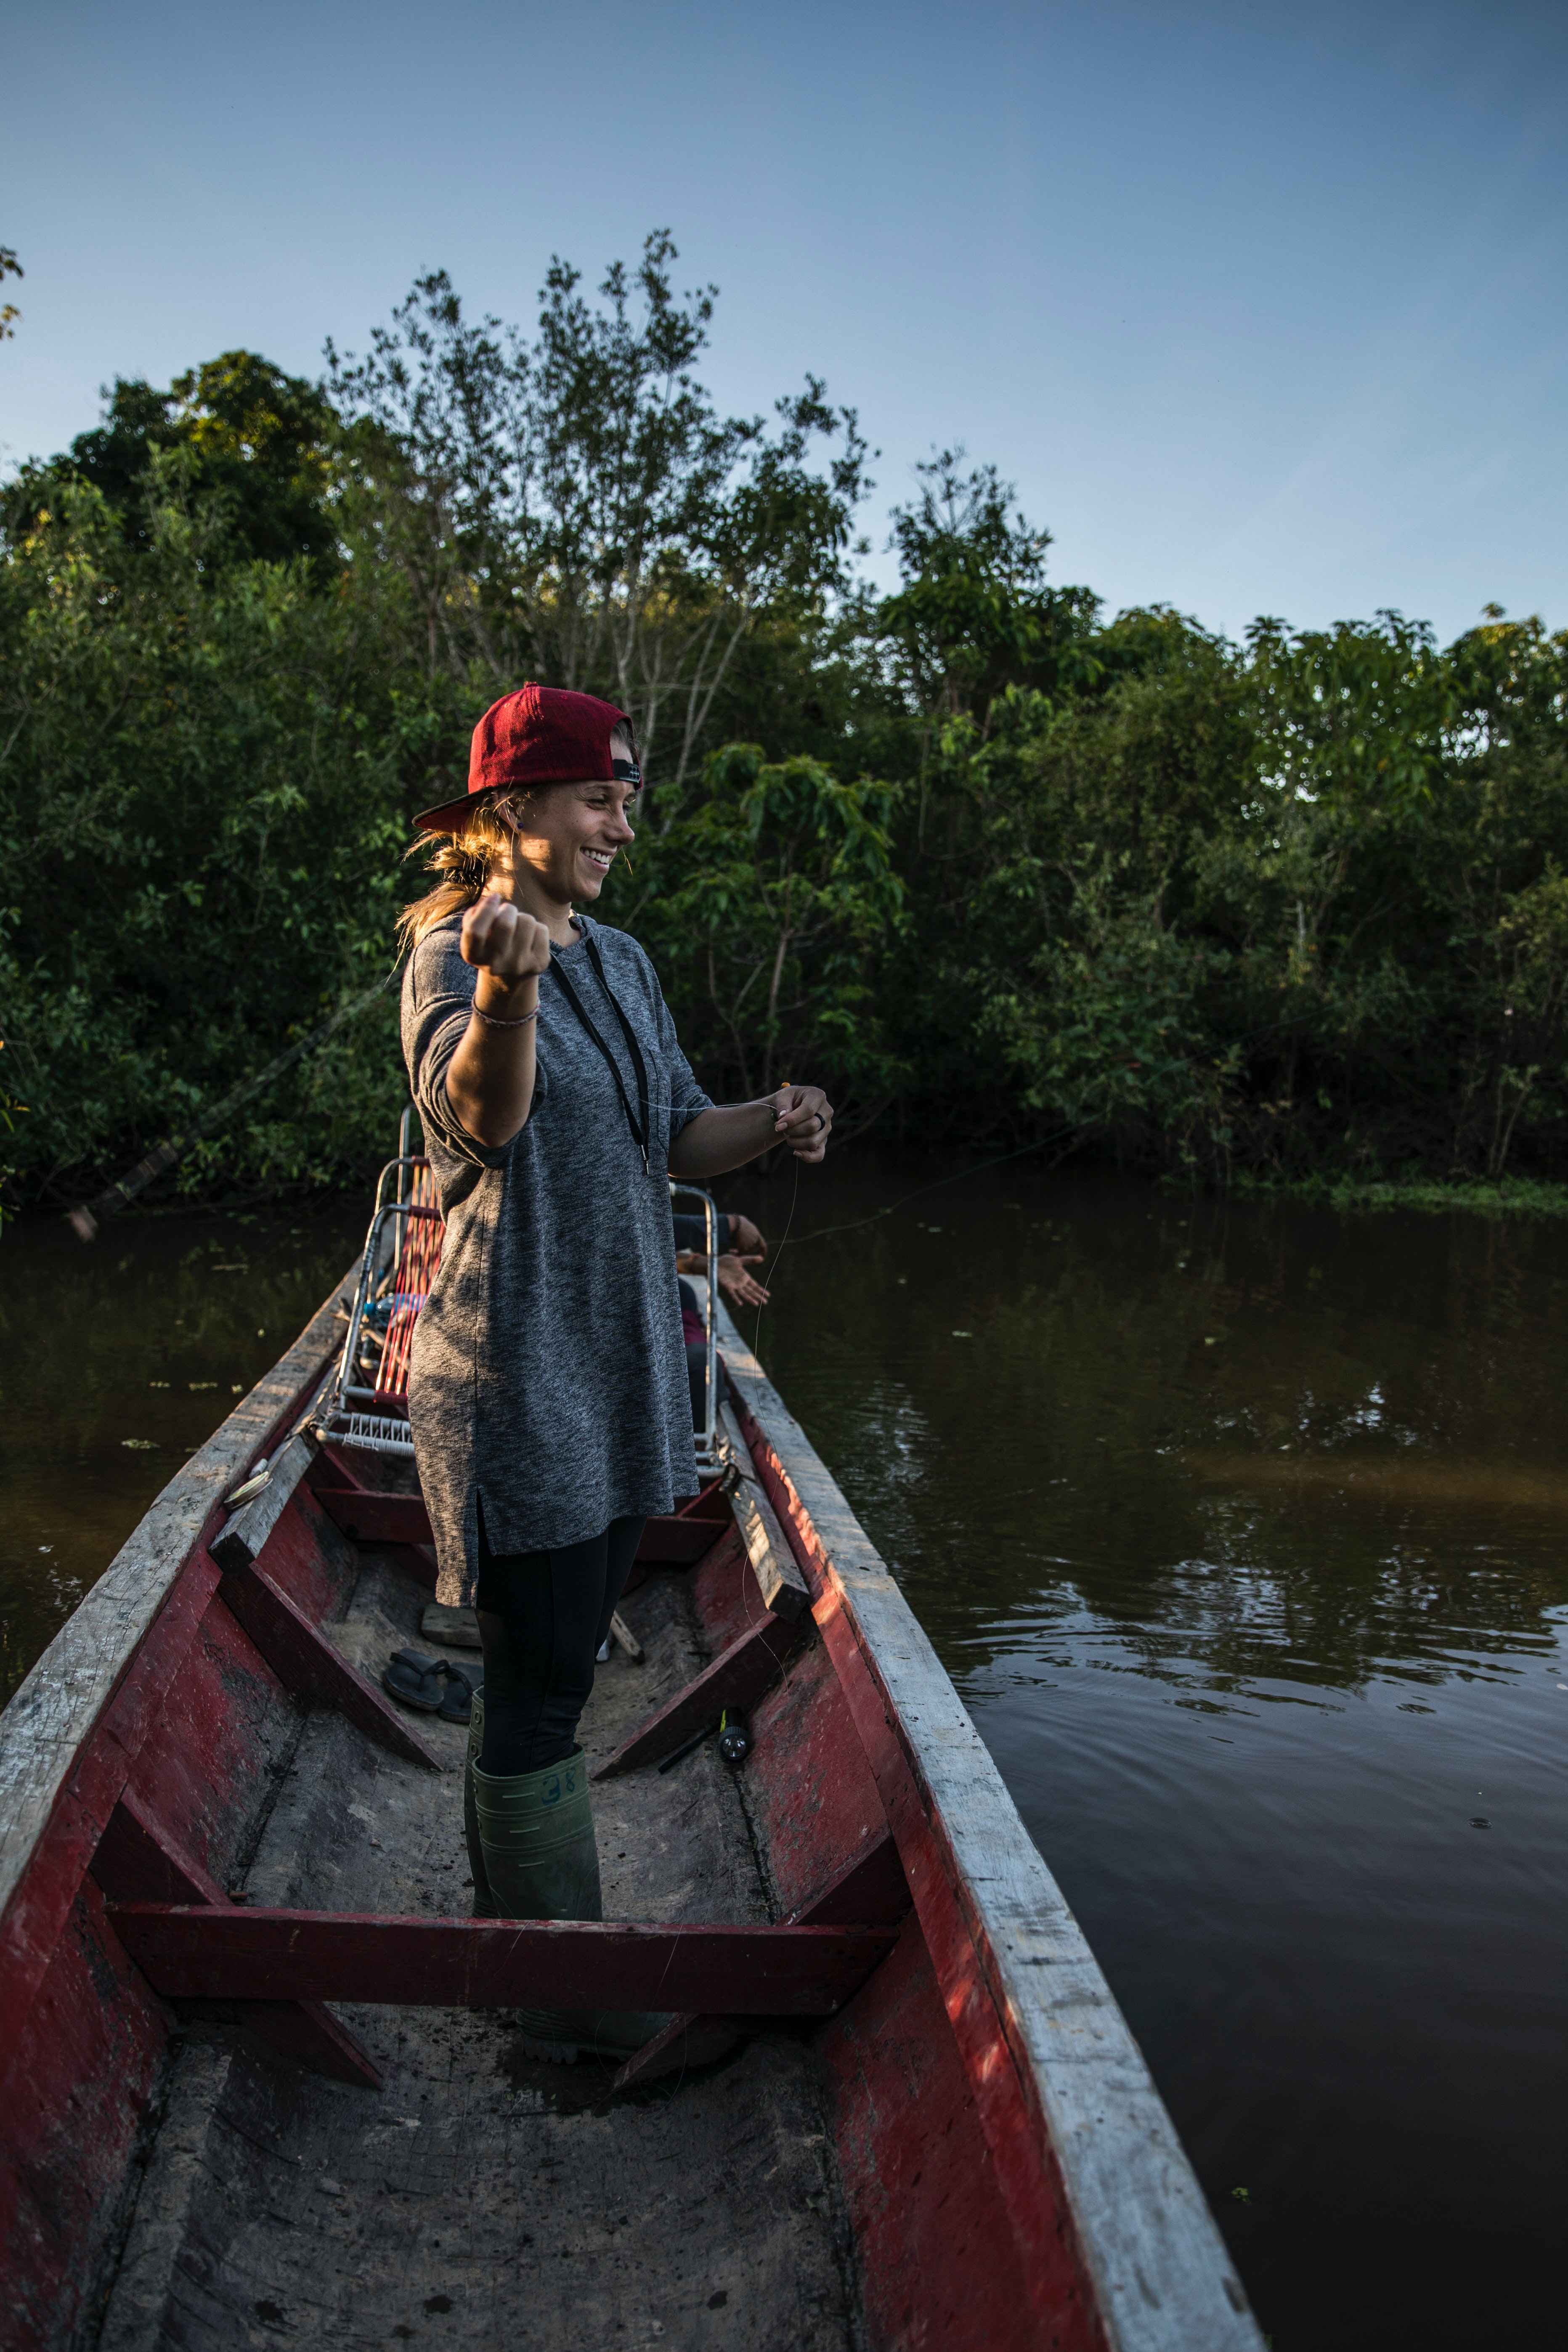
x: 430, y: 1686
x: 423, y: 1664
x: 421, y: 1686
x: 461, y: 1682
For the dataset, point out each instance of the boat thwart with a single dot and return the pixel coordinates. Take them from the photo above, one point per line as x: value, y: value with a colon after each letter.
x: 895, y: 2103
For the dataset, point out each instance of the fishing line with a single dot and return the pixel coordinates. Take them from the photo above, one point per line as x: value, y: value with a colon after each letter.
x: 789, y: 1222
x: 825, y: 1233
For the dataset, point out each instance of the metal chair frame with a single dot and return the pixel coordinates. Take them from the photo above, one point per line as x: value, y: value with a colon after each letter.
x: 710, y: 1455
x: 356, y: 1415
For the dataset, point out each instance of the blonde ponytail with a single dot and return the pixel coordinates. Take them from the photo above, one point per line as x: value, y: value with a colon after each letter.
x: 464, y: 862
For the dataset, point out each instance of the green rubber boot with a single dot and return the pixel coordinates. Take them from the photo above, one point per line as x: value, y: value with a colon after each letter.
x: 484, y: 1901
x: 536, y: 1840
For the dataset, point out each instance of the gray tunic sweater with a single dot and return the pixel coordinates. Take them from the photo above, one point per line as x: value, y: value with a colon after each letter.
x: 547, y: 1384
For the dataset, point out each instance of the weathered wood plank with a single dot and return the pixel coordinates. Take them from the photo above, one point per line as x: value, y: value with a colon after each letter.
x: 371, y: 1518
x: 243, y: 1536
x: 678, y: 1542
x: 303, y: 1659
x: 43, y: 1901
x: 77, y: 2089
x: 709, y: 1503
x: 867, y: 1891
x: 200, y: 1953
x: 1064, y: 2095
x: 780, y: 1578
x: 737, y: 1678
x: 306, y: 2032
x: 621, y: 1634
x: 692, y: 2037
x: 49, y: 1717
x: 138, y: 1862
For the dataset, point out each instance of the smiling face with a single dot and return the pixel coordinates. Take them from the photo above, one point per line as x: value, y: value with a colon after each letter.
x: 568, y: 838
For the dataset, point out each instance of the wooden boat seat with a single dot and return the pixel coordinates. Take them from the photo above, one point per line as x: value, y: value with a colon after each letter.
x: 194, y: 1946
x: 203, y: 1800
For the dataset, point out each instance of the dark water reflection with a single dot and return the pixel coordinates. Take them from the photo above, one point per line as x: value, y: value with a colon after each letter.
x: 1243, y: 1536
x: 115, y: 1362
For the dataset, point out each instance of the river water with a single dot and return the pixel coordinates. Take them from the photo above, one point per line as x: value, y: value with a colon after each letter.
x: 1241, y: 1532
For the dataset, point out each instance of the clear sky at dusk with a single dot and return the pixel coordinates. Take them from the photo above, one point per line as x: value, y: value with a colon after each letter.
x: 1261, y: 307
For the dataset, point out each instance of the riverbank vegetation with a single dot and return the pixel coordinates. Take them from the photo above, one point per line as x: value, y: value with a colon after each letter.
x: 992, y: 862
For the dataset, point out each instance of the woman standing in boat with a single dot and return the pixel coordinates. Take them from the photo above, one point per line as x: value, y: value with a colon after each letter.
x: 548, y: 1389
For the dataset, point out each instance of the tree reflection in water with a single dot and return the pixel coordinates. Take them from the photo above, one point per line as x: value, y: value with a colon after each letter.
x: 1242, y: 1531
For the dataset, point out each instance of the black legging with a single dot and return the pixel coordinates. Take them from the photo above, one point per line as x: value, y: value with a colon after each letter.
x: 542, y: 1615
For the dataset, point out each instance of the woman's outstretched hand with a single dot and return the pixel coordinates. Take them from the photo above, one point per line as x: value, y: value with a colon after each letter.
x: 803, y: 1116
x: 508, y: 942
x: 726, y: 1135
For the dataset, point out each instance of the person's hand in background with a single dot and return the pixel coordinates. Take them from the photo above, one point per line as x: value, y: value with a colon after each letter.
x: 739, y: 1286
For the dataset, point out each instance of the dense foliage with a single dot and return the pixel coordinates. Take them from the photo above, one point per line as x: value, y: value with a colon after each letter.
x: 984, y: 860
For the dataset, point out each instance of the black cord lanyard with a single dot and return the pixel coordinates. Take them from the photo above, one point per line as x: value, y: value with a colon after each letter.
x: 642, y: 1131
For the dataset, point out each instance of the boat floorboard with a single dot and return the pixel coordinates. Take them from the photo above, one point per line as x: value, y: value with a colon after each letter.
x: 482, y: 2197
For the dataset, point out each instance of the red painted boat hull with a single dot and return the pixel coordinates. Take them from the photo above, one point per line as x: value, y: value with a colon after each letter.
x: 1008, y: 2173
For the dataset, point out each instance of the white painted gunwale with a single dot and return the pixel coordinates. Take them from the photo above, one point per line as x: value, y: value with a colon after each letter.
x: 54, y: 1709
x: 1162, y: 2275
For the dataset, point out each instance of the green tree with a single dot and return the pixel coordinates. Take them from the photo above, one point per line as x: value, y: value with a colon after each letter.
x: 9, y: 268
x: 975, y: 613
x: 981, y: 857
x: 575, y: 507
x: 199, y: 770
x: 770, y: 901
x: 1053, y: 972
x: 259, y: 440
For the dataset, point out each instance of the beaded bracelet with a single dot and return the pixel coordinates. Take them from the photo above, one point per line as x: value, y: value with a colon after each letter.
x: 490, y: 1021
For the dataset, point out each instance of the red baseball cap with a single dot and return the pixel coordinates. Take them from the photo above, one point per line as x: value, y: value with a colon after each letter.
x: 540, y: 735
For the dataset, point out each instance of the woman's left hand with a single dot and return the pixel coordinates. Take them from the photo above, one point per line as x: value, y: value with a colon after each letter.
x: 803, y: 1116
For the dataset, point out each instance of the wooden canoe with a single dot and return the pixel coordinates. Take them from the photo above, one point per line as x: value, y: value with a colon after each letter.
x: 260, y: 2080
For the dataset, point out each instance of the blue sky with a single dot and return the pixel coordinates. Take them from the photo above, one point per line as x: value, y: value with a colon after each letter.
x: 1260, y: 307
